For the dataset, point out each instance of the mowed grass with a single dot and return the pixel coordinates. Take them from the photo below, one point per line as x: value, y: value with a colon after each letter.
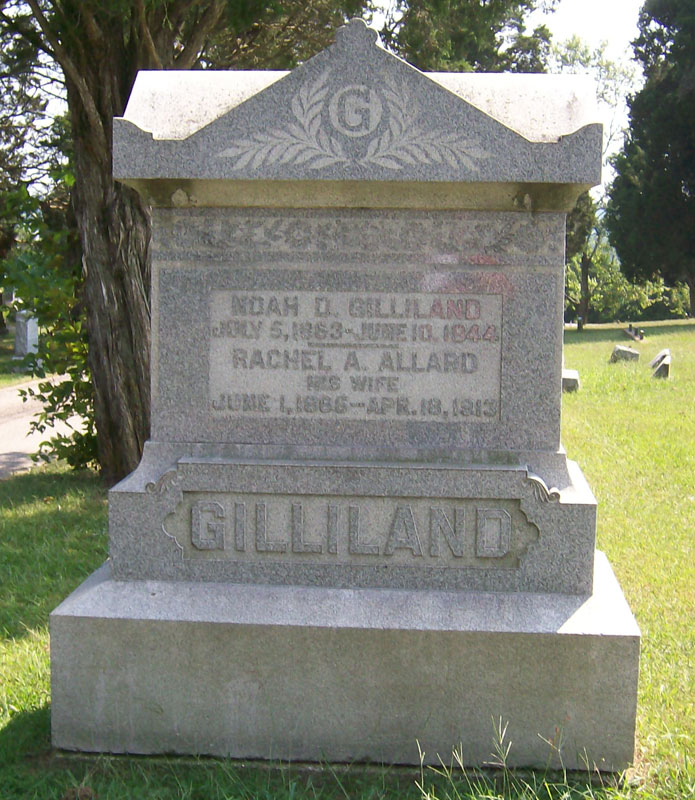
x: 634, y: 438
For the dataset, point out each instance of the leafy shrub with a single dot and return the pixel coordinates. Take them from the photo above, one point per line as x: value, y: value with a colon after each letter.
x: 45, y: 269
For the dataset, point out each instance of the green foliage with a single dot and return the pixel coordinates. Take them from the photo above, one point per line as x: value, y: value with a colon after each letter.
x: 581, y: 224
x: 596, y: 289
x: 22, y: 120
x: 613, y: 79
x: 610, y: 295
x: 651, y: 213
x: 44, y: 268
x: 22, y: 112
x: 281, y: 35
x: 467, y: 35
x: 99, y: 47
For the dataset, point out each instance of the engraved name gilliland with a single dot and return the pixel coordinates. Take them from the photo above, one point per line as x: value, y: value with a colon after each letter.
x: 408, y: 356
x: 462, y: 533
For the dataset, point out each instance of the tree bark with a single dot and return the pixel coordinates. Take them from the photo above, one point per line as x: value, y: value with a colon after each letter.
x: 584, y: 293
x: 99, y: 52
x: 114, y: 230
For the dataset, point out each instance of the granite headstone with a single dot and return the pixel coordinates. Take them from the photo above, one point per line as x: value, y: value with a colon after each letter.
x: 622, y: 353
x: 354, y: 528
x: 659, y: 357
x: 663, y: 367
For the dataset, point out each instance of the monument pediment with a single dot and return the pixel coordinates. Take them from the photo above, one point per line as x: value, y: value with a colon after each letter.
x: 355, y: 113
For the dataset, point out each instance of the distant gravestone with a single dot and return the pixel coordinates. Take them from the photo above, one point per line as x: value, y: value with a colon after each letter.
x: 663, y: 367
x: 570, y: 380
x: 7, y: 296
x: 26, y: 339
x: 354, y: 532
x: 635, y: 333
x: 659, y: 357
x: 621, y: 353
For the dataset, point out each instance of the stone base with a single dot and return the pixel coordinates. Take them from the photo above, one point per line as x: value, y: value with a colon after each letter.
x: 310, y: 673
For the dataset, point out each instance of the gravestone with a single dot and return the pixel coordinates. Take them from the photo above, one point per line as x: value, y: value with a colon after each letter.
x: 659, y: 357
x: 570, y: 380
x: 354, y: 528
x: 663, y: 367
x: 26, y: 338
x: 622, y: 353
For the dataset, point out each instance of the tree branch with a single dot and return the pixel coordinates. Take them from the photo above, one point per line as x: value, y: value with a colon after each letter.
x: 73, y: 74
x: 93, y: 30
x: 28, y: 33
x: 150, y: 48
x: 203, y: 28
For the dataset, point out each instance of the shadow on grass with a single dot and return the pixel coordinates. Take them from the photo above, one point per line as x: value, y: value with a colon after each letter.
x: 616, y: 333
x: 26, y: 735
x: 52, y: 535
x: 30, y: 485
x: 663, y: 330
x: 596, y: 335
x: 58, y: 773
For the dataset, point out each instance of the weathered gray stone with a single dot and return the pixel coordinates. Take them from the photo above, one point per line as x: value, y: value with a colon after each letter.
x: 659, y: 357
x: 355, y: 525
x: 293, y: 672
x: 355, y: 453
x: 570, y: 380
x: 663, y: 368
x: 7, y: 295
x: 273, y: 265
x: 26, y: 338
x: 356, y: 113
x: 621, y: 353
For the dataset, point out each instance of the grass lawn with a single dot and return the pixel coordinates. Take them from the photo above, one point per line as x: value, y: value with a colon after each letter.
x: 634, y: 437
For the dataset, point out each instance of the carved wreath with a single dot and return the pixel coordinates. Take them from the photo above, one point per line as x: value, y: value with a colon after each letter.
x: 403, y: 143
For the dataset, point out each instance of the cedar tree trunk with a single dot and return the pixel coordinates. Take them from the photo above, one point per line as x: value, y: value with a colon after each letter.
x: 114, y: 232
x: 584, y: 294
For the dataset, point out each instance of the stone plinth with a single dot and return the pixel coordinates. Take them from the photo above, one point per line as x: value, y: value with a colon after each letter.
x: 314, y: 674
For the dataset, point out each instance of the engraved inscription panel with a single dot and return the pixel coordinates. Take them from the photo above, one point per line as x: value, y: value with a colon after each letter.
x: 358, y: 237
x: 356, y: 355
x: 364, y: 531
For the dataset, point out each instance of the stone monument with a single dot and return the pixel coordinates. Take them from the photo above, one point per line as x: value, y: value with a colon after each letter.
x: 26, y: 340
x: 354, y: 528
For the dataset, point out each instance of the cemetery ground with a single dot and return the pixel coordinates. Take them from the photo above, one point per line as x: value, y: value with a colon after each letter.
x: 9, y: 374
x: 634, y: 438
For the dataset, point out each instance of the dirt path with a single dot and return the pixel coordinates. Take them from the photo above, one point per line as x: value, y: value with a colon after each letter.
x: 16, y: 444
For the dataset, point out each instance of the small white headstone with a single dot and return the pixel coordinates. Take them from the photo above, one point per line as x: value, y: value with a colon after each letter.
x: 26, y: 334
x: 570, y: 380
